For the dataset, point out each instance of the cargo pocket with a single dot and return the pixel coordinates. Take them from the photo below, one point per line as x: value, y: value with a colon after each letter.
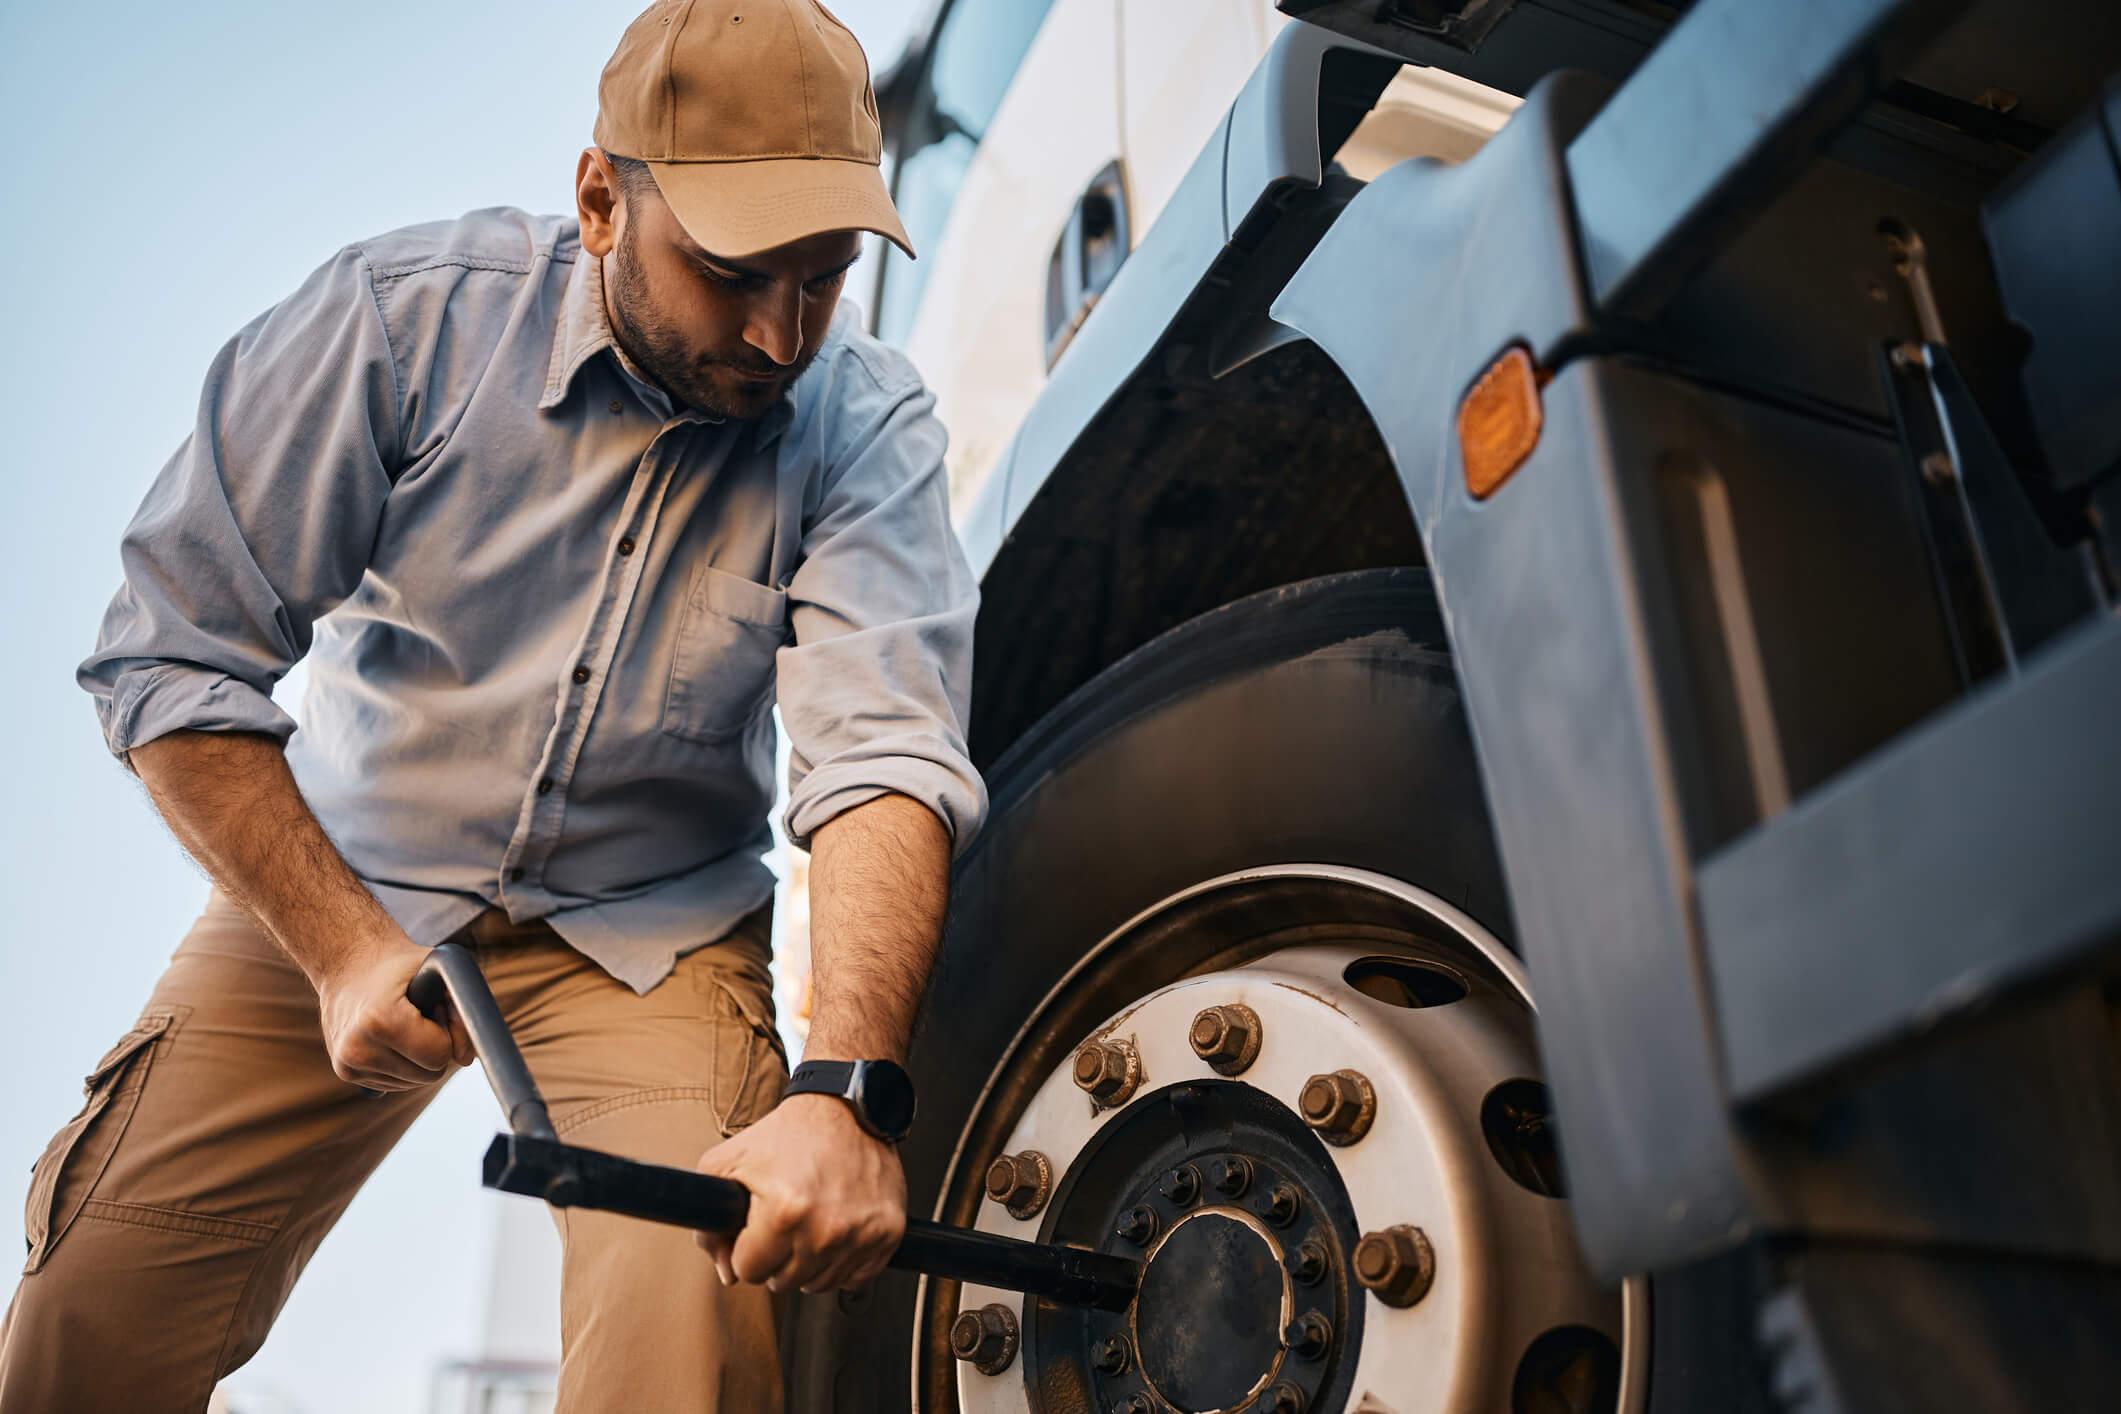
x: 721, y: 674
x: 74, y: 1161
x: 750, y: 1065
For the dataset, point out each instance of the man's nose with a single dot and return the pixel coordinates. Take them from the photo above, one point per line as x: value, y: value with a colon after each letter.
x: 776, y: 327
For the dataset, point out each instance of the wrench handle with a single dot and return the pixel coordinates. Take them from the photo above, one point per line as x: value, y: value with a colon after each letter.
x: 451, y: 978
x: 570, y: 1177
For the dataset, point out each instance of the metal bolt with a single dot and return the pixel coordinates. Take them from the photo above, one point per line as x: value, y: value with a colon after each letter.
x: 1134, y: 1404
x: 1139, y: 1225
x: 1340, y: 1105
x: 1109, y: 1071
x: 1309, y: 1335
x: 1181, y: 1185
x: 1231, y: 1175
x: 1909, y: 355
x: 1937, y: 469
x: 1113, y: 1355
x: 1226, y: 1037
x: 1308, y: 1263
x: 1284, y: 1398
x: 1282, y: 1204
x: 1396, y: 1265
x: 1021, y: 1182
x: 985, y: 1338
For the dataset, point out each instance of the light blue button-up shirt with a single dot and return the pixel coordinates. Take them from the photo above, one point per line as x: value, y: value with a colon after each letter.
x: 545, y: 612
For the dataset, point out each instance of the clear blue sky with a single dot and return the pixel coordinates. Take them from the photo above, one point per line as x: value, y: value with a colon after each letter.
x: 176, y: 169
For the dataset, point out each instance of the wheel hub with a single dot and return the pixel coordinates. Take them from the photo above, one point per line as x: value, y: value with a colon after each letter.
x: 1244, y: 1226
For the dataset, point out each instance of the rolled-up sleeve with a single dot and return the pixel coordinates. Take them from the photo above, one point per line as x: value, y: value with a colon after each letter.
x: 875, y: 690
x: 260, y: 524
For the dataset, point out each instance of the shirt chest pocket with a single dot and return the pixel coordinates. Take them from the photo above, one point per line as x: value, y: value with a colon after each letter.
x: 721, y: 675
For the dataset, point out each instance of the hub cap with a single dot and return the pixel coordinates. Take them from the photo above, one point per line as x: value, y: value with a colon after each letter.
x: 1208, y: 1324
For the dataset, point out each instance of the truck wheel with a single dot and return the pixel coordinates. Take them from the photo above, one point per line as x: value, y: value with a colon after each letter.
x: 1223, y: 987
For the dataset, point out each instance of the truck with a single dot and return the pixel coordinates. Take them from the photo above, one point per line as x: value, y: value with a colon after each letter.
x: 1550, y: 687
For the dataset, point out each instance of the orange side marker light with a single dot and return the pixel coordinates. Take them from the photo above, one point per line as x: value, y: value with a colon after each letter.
x: 1499, y: 420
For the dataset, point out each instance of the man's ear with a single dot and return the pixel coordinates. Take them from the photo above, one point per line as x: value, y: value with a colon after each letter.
x: 596, y: 202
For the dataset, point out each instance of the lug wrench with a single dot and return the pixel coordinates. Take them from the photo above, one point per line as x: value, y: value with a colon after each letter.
x: 530, y: 1159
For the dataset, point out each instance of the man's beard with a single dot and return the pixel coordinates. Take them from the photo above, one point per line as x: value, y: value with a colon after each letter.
x: 656, y: 346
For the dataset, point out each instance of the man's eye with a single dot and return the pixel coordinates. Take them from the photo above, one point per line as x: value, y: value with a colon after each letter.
x: 728, y: 282
x: 825, y: 282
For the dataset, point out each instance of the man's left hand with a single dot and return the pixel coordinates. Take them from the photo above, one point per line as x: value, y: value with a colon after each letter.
x: 828, y: 1201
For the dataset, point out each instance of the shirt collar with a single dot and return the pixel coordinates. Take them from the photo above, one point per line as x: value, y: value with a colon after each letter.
x: 583, y: 330
x: 580, y: 331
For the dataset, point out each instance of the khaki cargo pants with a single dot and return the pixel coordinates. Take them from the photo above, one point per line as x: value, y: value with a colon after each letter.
x: 168, y: 1221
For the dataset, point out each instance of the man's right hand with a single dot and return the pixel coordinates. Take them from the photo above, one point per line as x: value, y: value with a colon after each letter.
x: 234, y: 805
x: 376, y: 1037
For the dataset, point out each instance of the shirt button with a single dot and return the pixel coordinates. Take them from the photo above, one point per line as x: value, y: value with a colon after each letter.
x: 545, y: 786
x: 626, y: 545
x: 617, y: 406
x: 515, y: 876
x: 581, y: 675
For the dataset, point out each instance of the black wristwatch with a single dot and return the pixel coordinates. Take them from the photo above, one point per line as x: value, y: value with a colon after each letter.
x: 878, y: 1091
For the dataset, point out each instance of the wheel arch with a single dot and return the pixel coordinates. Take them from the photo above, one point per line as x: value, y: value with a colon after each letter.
x: 1235, y: 415
x: 1189, y: 450
x: 1186, y: 494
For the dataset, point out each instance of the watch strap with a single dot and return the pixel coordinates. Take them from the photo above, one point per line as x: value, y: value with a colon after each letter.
x: 822, y: 1078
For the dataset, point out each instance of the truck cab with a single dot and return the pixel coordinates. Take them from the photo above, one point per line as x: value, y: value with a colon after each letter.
x: 1546, y: 675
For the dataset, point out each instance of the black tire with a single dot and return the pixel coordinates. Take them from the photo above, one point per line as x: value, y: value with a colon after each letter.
x: 1317, y: 723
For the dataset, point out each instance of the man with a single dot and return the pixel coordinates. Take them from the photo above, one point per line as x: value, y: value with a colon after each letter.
x: 549, y: 506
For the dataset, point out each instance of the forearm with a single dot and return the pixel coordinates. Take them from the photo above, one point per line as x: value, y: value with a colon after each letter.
x: 879, y: 880
x: 234, y: 806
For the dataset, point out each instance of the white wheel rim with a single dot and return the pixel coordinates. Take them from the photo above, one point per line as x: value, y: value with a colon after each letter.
x: 1506, y: 1265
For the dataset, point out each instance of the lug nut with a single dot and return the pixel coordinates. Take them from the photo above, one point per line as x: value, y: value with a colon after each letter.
x: 1396, y: 1265
x: 1108, y: 1071
x: 1309, y: 1335
x: 1339, y: 1106
x: 1113, y: 1355
x: 985, y: 1339
x: 1021, y: 1182
x: 1284, y: 1398
x: 1226, y: 1037
x: 1282, y: 1205
x: 1138, y: 1225
x: 1231, y: 1175
x: 1181, y: 1185
x: 1308, y: 1263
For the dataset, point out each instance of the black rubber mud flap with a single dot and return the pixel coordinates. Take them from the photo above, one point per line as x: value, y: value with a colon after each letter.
x: 1316, y: 723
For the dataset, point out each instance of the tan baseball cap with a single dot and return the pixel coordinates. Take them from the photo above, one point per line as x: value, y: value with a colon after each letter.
x: 755, y: 116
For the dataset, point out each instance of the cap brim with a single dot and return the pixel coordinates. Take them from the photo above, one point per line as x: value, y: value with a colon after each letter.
x: 741, y: 208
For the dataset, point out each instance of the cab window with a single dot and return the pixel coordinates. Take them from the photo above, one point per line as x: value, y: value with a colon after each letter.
x: 971, y: 59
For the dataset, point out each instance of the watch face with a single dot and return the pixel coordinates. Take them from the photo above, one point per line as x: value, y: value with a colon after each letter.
x: 887, y: 1097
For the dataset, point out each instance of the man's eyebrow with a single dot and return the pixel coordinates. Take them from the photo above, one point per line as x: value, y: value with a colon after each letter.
x: 747, y: 272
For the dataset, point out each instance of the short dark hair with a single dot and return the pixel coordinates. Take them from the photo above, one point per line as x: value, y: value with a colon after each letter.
x: 634, y: 177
